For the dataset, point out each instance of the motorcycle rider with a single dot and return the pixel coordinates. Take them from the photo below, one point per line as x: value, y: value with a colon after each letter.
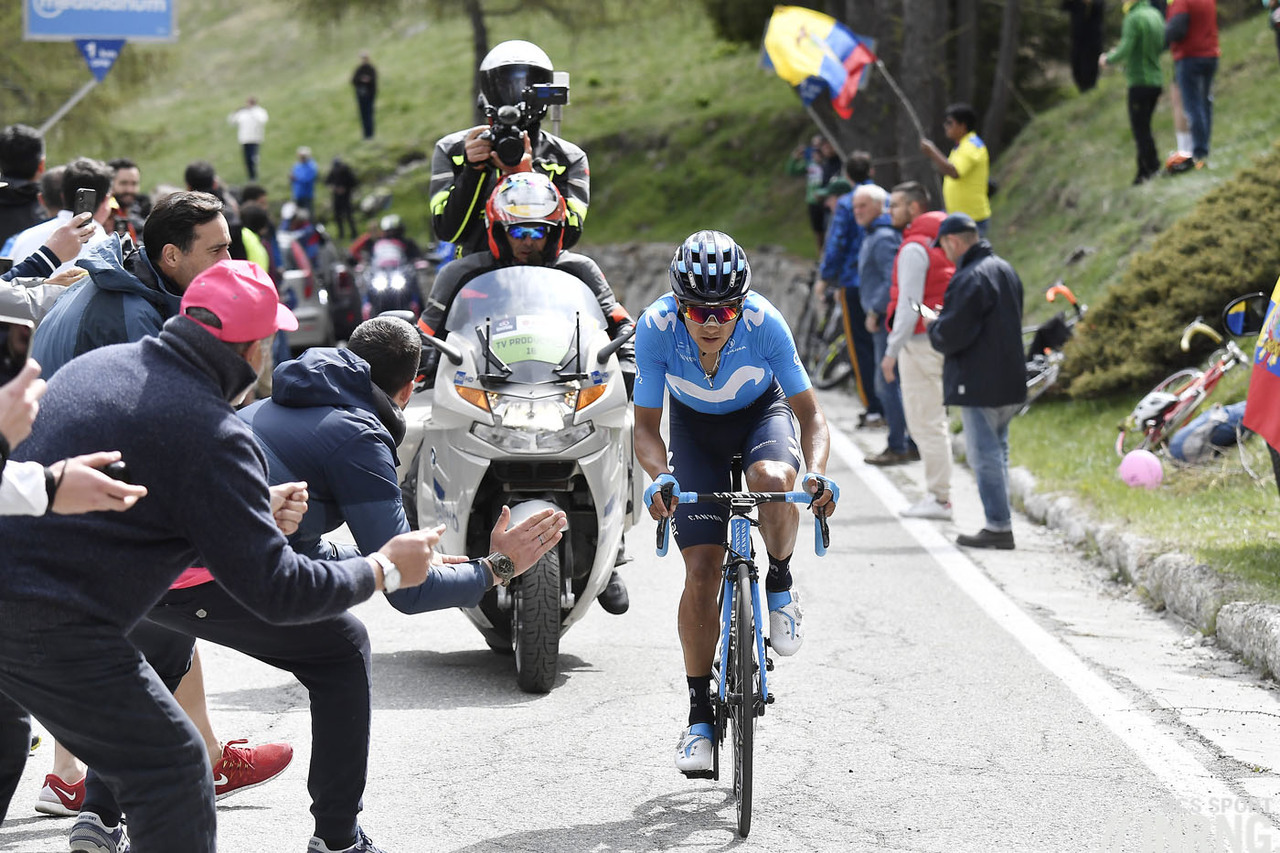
x: 526, y: 224
x: 465, y: 167
x: 735, y: 381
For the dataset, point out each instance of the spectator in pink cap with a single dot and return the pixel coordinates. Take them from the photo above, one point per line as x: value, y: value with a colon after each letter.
x: 165, y: 403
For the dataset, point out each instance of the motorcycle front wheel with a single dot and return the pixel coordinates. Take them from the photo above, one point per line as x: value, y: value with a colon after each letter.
x: 535, y: 624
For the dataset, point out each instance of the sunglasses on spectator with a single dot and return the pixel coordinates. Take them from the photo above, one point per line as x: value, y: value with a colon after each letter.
x: 527, y: 232
x: 702, y: 314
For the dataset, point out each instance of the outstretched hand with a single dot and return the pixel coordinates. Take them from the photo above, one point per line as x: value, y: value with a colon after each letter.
x: 530, y: 539
x: 288, y: 505
x: 82, y: 487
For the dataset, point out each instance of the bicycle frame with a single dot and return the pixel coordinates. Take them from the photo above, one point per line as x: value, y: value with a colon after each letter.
x: 1156, y: 430
x: 738, y: 552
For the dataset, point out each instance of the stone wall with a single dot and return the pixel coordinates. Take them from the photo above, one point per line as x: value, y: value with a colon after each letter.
x: 638, y: 274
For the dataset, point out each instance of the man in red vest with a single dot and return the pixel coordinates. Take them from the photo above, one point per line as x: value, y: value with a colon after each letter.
x: 920, y: 276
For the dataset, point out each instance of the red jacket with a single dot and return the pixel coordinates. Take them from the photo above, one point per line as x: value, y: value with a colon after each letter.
x: 923, y: 229
x: 1202, y: 28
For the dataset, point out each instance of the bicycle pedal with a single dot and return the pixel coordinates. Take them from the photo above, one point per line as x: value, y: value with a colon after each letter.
x: 768, y: 664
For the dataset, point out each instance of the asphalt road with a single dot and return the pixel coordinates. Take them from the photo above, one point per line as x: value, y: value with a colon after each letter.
x: 943, y: 701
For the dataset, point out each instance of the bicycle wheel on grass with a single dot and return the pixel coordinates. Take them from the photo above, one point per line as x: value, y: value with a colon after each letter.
x: 741, y: 697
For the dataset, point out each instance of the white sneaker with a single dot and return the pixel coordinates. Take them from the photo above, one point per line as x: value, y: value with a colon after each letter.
x: 785, y: 618
x: 693, y: 752
x: 930, y: 507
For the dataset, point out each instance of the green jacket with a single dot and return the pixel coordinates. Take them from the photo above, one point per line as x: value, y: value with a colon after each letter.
x: 1141, y: 43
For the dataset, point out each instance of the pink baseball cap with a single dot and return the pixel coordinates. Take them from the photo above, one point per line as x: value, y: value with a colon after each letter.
x: 243, y: 298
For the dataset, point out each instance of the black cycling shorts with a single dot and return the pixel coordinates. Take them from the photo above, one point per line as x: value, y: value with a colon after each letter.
x: 702, y: 448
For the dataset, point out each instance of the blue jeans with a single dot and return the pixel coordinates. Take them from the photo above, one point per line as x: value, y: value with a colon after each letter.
x: 986, y: 439
x: 96, y: 694
x: 890, y: 395
x: 251, y: 159
x: 1195, y: 80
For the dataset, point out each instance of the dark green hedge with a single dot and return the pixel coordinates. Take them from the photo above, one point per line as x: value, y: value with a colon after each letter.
x: 1228, y: 245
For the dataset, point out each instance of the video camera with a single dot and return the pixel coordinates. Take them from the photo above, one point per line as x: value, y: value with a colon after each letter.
x: 509, y: 123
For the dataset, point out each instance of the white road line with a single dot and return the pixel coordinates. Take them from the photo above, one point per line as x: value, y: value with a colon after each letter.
x: 1172, y: 763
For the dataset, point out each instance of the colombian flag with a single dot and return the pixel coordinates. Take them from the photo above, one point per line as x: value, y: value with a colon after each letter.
x: 1262, y: 407
x: 816, y: 54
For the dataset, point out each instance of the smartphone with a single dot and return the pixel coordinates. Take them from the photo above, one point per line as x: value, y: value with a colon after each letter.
x: 924, y: 310
x: 86, y: 201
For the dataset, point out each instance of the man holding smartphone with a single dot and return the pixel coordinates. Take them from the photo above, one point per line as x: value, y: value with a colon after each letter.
x: 86, y: 187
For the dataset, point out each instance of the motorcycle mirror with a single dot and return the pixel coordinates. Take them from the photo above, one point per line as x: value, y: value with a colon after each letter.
x: 446, y: 349
x: 614, y: 345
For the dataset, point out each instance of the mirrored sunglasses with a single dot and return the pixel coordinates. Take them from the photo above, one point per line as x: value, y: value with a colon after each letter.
x: 722, y: 314
x: 527, y: 232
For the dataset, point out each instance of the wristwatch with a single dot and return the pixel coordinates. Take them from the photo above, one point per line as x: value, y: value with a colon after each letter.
x: 503, y: 569
x: 390, y: 574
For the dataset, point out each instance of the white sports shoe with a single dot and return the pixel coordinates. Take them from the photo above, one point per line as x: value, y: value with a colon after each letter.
x: 785, y: 635
x: 930, y: 507
x: 693, y: 752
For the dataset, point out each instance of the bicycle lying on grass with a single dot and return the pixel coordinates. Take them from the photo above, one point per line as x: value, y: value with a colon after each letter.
x: 1044, y: 352
x: 743, y: 686
x: 1174, y: 401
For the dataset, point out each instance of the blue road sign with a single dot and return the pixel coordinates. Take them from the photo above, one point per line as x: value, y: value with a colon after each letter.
x: 69, y: 20
x: 100, y: 54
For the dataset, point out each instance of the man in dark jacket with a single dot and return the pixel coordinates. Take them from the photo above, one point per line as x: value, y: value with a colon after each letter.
x: 208, y: 503
x: 330, y: 424
x: 21, y: 164
x: 979, y: 331
x: 365, y: 82
x: 125, y: 298
x: 465, y: 168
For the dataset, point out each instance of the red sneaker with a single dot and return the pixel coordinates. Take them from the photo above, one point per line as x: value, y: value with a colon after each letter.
x: 59, y: 798
x: 244, y: 767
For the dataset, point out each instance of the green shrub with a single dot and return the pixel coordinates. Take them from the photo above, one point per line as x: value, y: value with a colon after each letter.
x: 1225, y: 247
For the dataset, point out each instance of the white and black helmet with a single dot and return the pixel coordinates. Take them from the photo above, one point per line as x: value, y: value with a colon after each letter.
x: 509, y: 69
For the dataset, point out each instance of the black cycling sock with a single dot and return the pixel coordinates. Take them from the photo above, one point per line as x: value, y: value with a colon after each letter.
x: 779, y: 577
x: 700, y: 710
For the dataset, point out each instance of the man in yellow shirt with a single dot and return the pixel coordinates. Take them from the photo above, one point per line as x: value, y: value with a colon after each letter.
x: 966, y: 170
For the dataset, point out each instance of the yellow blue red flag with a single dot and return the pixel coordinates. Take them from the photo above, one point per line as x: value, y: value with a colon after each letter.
x: 817, y: 55
x: 1262, y: 407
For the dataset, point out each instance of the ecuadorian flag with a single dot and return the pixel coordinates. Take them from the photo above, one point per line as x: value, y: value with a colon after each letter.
x: 817, y: 54
x: 1262, y: 406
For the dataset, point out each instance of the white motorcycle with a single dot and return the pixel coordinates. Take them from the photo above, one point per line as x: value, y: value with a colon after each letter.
x: 530, y: 410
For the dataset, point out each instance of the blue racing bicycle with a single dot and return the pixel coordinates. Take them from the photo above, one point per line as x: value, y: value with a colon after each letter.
x: 743, y: 691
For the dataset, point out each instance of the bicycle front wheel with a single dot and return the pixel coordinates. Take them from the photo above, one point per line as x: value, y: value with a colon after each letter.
x: 741, y: 697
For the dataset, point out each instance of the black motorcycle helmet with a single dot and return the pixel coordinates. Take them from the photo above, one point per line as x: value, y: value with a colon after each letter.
x: 508, y: 69
x: 709, y: 268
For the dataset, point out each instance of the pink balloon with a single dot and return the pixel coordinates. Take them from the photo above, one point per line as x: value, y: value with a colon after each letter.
x: 1141, y: 468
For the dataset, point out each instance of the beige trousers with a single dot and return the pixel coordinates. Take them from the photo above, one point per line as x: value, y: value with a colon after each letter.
x: 920, y: 374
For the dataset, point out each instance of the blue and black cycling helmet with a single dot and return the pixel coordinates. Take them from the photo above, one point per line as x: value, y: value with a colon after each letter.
x: 710, y: 267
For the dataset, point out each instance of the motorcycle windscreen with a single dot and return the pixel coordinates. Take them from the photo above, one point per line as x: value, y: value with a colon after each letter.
x: 533, y: 315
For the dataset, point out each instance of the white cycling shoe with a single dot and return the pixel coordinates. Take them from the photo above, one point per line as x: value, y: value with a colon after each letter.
x: 693, y: 752
x: 785, y: 618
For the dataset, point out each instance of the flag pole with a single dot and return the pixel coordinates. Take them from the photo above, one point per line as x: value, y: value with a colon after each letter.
x: 915, y: 119
x: 831, y: 137
x: 893, y: 84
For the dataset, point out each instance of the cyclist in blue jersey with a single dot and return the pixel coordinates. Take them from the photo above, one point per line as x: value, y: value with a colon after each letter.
x: 735, y: 381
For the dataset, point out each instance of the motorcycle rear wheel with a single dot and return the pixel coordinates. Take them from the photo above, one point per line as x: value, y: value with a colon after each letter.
x: 535, y: 624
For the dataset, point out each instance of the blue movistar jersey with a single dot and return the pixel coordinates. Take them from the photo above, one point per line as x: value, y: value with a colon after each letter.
x: 760, y: 349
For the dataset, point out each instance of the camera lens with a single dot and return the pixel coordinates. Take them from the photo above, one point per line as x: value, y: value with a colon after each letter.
x: 510, y: 150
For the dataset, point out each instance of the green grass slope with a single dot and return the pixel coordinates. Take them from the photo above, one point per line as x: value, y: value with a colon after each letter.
x: 1066, y: 209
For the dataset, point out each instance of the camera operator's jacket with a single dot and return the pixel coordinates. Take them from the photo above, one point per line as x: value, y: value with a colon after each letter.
x: 459, y: 192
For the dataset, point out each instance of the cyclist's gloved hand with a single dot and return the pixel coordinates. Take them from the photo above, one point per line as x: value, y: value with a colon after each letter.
x: 657, y: 511
x: 824, y: 490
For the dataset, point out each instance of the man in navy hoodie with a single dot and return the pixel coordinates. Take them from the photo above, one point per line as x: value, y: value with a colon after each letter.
x: 208, y: 503
x: 333, y: 422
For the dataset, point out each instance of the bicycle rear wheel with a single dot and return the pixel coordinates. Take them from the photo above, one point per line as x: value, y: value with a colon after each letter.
x: 741, y: 697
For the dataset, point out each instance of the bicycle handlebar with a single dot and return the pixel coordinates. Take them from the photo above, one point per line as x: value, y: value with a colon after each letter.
x: 821, y: 532
x: 1198, y: 327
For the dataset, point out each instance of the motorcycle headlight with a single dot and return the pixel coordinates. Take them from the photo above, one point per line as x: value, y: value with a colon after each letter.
x: 397, y: 281
x: 379, y: 282
x: 541, y: 425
